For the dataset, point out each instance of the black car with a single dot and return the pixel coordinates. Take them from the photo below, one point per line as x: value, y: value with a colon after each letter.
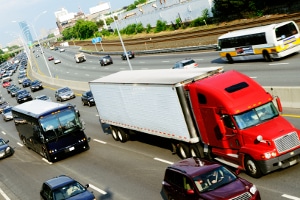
x: 23, y: 96
x: 87, y: 99
x: 36, y: 85
x: 14, y: 91
x: 105, y: 60
x: 5, y: 149
x: 65, y: 187
x: 26, y: 82
x: 10, y: 87
x: 130, y: 55
x: 3, y: 104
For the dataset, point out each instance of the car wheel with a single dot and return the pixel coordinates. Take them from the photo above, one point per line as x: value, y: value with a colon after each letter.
x: 83, y: 103
x: 252, y: 167
x: 89, y: 104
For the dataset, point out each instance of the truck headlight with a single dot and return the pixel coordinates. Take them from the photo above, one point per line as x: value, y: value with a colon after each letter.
x: 253, y: 189
x: 269, y: 155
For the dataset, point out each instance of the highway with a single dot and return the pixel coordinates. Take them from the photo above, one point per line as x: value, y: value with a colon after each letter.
x: 135, y: 169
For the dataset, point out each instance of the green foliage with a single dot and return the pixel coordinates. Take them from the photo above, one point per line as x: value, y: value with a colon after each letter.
x: 148, y: 28
x: 82, y: 30
x: 133, y: 6
x: 160, y: 26
x: 51, y: 35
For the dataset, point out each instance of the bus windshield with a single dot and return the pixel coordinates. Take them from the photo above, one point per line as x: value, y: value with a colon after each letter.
x: 60, y: 123
x: 256, y: 116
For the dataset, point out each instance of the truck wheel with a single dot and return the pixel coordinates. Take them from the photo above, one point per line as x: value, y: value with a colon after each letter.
x: 252, y: 168
x: 45, y: 155
x: 196, y: 150
x: 114, y: 133
x: 122, y: 135
x: 183, y: 151
x: 24, y: 142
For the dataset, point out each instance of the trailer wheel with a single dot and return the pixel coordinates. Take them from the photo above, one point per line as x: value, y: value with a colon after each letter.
x: 183, y: 151
x: 114, y: 133
x: 122, y: 135
x: 252, y: 168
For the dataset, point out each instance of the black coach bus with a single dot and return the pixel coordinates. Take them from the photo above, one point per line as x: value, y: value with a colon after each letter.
x: 50, y: 129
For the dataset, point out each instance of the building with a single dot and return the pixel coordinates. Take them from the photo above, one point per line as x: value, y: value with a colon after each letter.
x: 26, y: 32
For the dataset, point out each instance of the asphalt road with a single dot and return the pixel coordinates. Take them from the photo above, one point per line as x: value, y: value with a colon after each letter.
x: 131, y: 170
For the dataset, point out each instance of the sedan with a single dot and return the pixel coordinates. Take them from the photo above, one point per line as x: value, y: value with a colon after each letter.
x: 105, y: 60
x: 5, y: 149
x: 26, y: 82
x: 130, y: 55
x: 36, y: 85
x: 63, y: 94
x: 61, y: 50
x: 87, y: 99
x: 3, y: 104
x: 5, y: 83
x: 7, y: 114
x: 50, y: 58
x: 43, y: 97
x: 23, y: 96
x: 65, y: 187
x: 56, y: 61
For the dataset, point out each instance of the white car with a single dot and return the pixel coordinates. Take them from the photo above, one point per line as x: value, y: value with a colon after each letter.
x: 56, y: 61
x: 61, y: 50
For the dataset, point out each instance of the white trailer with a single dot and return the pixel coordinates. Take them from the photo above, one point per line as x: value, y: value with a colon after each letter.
x: 147, y: 101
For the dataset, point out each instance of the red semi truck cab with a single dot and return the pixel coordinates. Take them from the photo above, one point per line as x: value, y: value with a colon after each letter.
x: 240, y: 126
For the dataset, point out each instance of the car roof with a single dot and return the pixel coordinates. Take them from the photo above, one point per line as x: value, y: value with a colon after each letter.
x: 194, y: 166
x: 59, y: 181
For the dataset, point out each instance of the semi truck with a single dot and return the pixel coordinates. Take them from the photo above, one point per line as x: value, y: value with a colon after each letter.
x: 202, y: 112
x: 79, y: 57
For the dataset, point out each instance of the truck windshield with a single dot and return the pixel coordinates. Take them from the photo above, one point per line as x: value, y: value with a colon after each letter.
x: 256, y: 115
x: 60, y: 123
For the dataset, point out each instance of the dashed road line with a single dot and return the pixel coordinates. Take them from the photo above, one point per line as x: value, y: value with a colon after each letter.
x: 164, y: 161
x: 290, y: 197
x: 100, y: 141
x: 97, y: 189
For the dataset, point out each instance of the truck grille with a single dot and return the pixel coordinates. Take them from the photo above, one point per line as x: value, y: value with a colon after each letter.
x: 244, y: 196
x: 287, y: 142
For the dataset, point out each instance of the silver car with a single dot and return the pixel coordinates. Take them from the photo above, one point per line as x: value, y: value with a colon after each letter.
x: 6, y: 114
x: 63, y: 94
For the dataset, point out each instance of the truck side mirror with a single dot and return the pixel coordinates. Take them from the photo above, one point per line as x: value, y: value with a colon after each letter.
x: 279, y: 106
x: 221, y: 126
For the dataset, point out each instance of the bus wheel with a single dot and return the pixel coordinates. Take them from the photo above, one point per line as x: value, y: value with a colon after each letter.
x: 267, y: 56
x: 183, y: 151
x: 114, y: 133
x: 229, y: 58
x: 122, y: 135
x: 252, y: 168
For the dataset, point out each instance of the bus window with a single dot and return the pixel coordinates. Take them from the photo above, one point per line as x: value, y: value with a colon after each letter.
x: 285, y: 31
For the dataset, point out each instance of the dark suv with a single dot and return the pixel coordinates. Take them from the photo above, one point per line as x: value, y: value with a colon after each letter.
x: 130, y: 55
x: 196, y: 178
x: 105, y: 60
x: 23, y: 96
x: 65, y: 187
x: 87, y: 99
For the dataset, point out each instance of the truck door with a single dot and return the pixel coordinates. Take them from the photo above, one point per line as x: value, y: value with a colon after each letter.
x: 231, y: 136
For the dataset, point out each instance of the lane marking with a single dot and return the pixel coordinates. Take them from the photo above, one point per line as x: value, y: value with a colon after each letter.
x: 20, y: 144
x: 3, y: 132
x: 97, y: 189
x: 99, y: 141
x: 164, y: 161
x: 290, y: 115
x: 44, y: 159
x: 279, y: 64
x: 4, y: 195
x: 290, y: 197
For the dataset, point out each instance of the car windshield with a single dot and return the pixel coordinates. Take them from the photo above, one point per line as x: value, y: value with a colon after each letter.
x: 256, y: 116
x: 43, y: 97
x: 59, y: 124
x: 188, y: 62
x: 68, y: 191
x: 214, y: 179
x: 2, y: 142
x: 63, y: 90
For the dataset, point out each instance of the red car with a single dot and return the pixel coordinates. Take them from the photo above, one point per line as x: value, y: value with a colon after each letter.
x: 196, y: 178
x: 5, y: 83
x: 50, y: 58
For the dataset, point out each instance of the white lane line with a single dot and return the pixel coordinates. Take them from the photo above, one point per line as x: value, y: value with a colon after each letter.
x: 280, y: 64
x: 44, y: 159
x: 20, y: 144
x: 4, y: 195
x: 164, y: 161
x: 253, y: 77
x: 99, y: 141
x: 97, y: 189
x: 166, y: 61
x: 290, y: 197
x: 3, y: 132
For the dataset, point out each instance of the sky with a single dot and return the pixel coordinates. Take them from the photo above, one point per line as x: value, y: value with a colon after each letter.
x: 40, y: 14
